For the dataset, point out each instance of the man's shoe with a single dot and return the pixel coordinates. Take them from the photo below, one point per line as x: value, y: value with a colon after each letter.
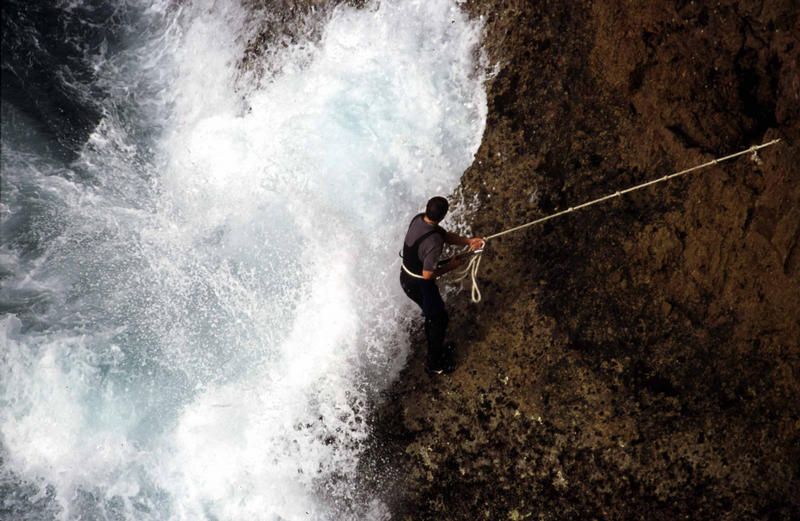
x: 433, y: 370
x: 446, y: 369
x: 446, y: 366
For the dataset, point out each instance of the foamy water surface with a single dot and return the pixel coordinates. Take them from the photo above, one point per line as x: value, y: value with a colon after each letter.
x: 200, y: 309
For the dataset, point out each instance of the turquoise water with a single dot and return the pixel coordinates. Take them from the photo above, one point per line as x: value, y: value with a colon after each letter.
x: 200, y: 299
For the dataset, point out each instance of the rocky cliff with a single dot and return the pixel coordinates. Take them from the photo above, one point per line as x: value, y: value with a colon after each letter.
x: 639, y: 359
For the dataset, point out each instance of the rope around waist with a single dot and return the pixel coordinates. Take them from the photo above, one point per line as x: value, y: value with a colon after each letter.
x: 409, y: 272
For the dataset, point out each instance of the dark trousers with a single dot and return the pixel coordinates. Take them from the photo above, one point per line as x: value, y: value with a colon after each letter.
x: 426, y: 294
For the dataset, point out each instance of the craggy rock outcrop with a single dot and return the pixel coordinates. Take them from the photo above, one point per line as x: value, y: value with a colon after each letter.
x: 639, y: 359
x: 281, y: 24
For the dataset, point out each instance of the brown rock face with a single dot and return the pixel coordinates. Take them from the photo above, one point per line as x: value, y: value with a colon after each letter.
x: 639, y: 359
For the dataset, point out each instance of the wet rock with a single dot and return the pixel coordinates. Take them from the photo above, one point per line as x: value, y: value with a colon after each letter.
x: 635, y: 360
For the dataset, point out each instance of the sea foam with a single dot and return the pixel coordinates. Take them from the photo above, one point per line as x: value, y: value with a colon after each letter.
x: 202, y: 331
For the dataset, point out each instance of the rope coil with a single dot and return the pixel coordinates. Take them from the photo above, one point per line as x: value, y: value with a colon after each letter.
x: 471, y: 269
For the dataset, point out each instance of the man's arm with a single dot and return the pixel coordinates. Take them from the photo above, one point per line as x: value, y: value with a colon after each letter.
x: 453, y: 238
x: 474, y: 243
x: 454, y: 263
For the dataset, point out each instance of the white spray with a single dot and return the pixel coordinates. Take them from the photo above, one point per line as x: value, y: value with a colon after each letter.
x: 220, y: 286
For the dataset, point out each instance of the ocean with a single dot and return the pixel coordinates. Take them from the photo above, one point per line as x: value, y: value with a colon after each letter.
x: 198, y: 253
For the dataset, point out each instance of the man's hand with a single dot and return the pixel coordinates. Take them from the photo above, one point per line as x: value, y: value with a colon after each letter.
x: 451, y: 264
x: 476, y: 243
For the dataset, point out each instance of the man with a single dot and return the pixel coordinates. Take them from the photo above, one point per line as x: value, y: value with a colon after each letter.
x: 421, y: 250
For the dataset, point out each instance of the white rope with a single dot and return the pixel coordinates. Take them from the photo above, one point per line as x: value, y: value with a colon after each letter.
x: 471, y: 269
x: 409, y: 271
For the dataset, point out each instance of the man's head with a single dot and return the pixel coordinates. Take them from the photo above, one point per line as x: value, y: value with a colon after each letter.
x: 436, y: 209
